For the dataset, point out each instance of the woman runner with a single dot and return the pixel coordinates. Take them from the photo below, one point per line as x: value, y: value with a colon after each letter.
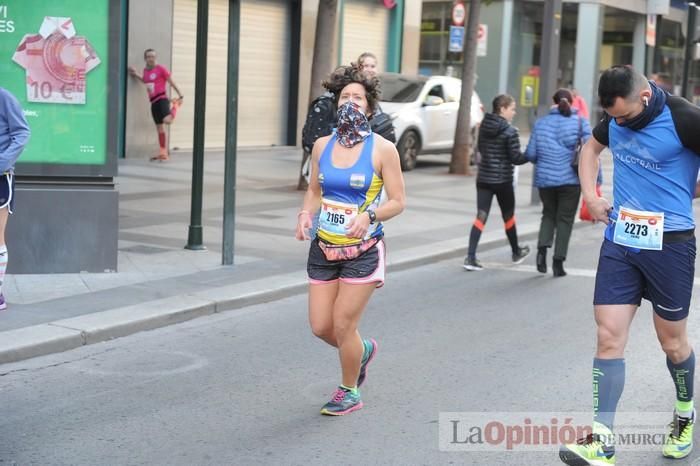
x: 349, y: 170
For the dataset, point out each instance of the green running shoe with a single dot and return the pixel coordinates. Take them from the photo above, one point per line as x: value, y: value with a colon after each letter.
x: 588, y: 451
x: 342, y: 402
x: 679, y: 442
x: 371, y: 348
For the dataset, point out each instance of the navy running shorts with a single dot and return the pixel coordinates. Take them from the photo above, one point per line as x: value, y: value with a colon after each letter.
x: 7, y: 191
x: 160, y: 109
x: 367, y: 268
x: 665, y: 278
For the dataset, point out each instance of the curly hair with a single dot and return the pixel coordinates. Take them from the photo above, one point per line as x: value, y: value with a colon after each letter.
x: 345, y: 75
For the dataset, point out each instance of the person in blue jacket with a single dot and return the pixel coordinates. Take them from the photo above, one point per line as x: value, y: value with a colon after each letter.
x: 14, y: 135
x: 552, y: 148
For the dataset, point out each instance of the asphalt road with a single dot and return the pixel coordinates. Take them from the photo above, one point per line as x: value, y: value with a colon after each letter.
x: 245, y: 387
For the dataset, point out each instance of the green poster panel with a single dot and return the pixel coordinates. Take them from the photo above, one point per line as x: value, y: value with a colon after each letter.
x: 54, y: 57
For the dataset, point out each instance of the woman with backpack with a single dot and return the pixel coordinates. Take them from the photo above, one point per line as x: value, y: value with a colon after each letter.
x: 499, y: 145
x: 552, y: 147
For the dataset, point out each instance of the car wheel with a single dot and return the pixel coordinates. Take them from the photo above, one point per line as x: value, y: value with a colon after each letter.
x: 408, y: 147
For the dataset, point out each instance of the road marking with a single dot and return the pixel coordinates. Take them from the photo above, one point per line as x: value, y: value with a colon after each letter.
x: 183, y: 361
x: 586, y: 273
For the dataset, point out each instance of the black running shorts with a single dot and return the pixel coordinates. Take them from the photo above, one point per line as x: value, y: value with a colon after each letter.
x: 367, y: 268
x: 7, y: 191
x: 160, y: 109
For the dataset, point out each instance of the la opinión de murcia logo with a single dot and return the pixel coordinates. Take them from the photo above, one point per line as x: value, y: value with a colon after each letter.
x: 56, y: 62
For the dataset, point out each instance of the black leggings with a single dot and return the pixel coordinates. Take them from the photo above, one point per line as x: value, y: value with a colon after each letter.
x: 505, y: 195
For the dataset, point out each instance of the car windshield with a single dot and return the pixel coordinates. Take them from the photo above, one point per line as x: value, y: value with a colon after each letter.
x: 400, y: 89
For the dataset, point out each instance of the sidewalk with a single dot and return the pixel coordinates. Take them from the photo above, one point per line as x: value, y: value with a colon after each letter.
x: 160, y: 283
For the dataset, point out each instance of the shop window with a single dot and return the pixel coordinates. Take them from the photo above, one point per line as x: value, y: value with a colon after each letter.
x: 669, y: 55
x: 526, y: 45
x: 434, y: 36
x: 435, y: 58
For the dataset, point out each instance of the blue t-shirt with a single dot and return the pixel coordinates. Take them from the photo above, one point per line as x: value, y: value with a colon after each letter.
x: 656, y: 167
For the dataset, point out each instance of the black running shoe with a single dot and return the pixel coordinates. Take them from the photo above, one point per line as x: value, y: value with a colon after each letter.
x: 520, y: 256
x: 472, y: 265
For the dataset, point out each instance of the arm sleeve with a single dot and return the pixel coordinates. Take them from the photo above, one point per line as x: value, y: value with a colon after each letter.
x: 686, y: 118
x: 165, y: 72
x: 18, y: 130
x: 601, y: 131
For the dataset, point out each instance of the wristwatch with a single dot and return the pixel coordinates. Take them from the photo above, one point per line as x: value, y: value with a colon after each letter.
x: 372, y: 216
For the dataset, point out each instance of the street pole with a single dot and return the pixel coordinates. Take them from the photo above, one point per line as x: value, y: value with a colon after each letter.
x: 194, y: 236
x: 234, y: 43
x: 689, y: 48
x: 549, y: 65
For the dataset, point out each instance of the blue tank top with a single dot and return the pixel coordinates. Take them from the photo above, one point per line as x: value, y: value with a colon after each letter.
x: 654, y: 172
x: 347, y: 192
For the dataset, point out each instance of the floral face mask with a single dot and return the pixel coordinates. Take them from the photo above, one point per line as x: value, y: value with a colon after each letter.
x: 353, y: 125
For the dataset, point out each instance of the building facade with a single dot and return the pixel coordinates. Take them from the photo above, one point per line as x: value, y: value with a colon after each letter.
x: 276, y: 53
x: 408, y: 36
x: 595, y: 34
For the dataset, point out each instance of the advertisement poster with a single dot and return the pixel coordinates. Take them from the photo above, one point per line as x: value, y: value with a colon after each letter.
x: 53, y: 58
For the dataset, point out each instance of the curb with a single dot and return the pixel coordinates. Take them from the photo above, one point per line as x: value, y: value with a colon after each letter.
x: 67, y: 334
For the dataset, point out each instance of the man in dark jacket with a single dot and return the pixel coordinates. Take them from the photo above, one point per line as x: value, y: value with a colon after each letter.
x: 499, y: 145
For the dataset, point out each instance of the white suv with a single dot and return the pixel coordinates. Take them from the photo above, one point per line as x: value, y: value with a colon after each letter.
x: 424, y: 111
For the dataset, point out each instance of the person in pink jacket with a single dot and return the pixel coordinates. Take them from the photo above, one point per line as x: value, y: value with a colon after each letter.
x: 580, y: 104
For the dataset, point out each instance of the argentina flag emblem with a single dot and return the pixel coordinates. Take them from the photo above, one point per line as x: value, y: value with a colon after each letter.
x: 357, y: 180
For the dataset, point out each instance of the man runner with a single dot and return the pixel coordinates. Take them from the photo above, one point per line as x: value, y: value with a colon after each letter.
x: 155, y: 77
x: 649, y: 247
